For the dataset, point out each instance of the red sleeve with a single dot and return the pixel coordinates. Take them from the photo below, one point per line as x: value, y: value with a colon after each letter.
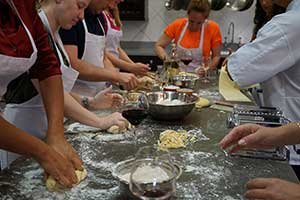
x: 47, y: 64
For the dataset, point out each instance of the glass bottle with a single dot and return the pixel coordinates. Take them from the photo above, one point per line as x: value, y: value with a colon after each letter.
x: 171, y: 65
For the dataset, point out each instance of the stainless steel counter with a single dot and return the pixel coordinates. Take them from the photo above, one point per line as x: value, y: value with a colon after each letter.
x: 208, y: 174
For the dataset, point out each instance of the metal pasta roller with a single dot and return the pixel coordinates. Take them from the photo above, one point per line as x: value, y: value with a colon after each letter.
x: 266, y: 116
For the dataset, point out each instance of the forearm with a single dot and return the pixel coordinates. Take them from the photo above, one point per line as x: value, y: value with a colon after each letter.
x: 160, y: 52
x: 18, y: 141
x: 288, y: 134
x: 75, y: 111
x: 91, y: 101
x: 108, y: 64
x: 123, y: 55
x: 89, y: 72
x: 52, y: 94
x: 76, y: 97
x: 127, y: 66
x: 215, y: 62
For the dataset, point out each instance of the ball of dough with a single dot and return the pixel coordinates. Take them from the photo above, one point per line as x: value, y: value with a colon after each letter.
x: 116, y: 130
x: 202, y: 102
x: 52, y: 185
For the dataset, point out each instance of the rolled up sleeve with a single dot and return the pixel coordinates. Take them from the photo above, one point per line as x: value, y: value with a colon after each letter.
x: 47, y: 64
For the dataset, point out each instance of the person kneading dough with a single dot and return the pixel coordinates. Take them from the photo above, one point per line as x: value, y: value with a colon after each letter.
x: 52, y: 185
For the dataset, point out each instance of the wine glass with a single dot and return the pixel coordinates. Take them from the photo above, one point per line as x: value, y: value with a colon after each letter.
x: 135, y: 110
x: 186, y: 57
x: 153, y: 179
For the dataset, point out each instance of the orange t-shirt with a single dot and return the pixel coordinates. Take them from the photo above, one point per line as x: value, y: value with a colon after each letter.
x: 212, y: 35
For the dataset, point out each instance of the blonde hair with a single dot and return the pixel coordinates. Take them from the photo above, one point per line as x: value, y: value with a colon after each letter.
x: 202, y: 6
x: 116, y: 15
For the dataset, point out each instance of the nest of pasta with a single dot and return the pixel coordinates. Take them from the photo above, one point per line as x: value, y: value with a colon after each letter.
x: 170, y: 139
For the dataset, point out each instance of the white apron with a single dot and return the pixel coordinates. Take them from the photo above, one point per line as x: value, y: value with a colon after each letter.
x: 69, y: 75
x: 10, y: 69
x: 113, y: 37
x: 94, y: 54
x: 34, y: 109
x: 196, y: 52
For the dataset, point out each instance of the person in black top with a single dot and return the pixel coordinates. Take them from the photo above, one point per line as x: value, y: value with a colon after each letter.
x: 76, y: 35
x: 85, y: 44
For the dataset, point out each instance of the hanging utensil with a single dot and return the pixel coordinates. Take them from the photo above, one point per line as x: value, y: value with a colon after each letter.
x: 239, y: 5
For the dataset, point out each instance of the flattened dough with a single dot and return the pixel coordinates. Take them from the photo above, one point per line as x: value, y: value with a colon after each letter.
x: 52, y: 185
x: 229, y: 89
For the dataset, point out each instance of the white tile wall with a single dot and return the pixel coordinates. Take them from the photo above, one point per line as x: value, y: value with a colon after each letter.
x: 159, y: 18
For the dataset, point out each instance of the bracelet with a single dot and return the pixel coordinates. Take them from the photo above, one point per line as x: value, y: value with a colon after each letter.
x: 85, y: 102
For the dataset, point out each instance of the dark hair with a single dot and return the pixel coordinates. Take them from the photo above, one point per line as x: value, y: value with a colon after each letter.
x: 261, y: 18
x: 202, y: 6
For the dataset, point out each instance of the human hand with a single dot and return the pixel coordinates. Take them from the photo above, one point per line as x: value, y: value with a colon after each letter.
x: 200, y: 71
x: 106, y: 99
x: 57, y: 166
x: 128, y: 80
x: 115, y: 119
x: 272, y: 189
x: 62, y: 146
x: 140, y: 69
x: 249, y: 136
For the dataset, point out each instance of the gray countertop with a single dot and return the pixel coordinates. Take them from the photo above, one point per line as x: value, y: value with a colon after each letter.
x: 208, y: 174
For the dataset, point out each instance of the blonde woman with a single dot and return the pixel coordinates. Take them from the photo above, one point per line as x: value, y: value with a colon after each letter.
x: 51, y: 15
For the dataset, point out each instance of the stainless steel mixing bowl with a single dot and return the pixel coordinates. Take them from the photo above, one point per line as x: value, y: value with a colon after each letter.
x: 186, y: 81
x: 170, y: 112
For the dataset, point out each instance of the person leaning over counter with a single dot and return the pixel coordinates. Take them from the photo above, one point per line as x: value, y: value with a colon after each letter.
x: 24, y: 48
x: 52, y: 18
x: 51, y: 15
x: 114, y: 52
x: 195, y: 34
x: 85, y: 44
x: 273, y: 59
x: 259, y: 137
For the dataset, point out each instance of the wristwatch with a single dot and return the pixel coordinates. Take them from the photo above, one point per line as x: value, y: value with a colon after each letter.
x: 85, y: 102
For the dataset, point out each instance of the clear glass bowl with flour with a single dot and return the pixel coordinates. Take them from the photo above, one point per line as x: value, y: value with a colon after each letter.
x: 153, y: 179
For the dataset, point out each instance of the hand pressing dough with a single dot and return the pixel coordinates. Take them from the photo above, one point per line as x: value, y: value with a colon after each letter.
x: 202, y: 102
x: 146, y: 83
x: 52, y: 185
x: 116, y: 130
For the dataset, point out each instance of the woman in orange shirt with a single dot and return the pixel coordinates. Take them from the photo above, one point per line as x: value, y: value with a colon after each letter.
x: 195, y: 36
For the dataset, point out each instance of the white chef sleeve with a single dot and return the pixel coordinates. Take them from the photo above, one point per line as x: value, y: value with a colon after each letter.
x: 263, y: 58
